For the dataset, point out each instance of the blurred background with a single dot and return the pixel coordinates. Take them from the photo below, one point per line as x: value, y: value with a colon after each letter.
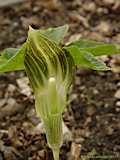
x: 93, y: 116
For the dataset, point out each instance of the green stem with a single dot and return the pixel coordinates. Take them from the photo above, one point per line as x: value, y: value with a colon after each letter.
x: 56, y: 153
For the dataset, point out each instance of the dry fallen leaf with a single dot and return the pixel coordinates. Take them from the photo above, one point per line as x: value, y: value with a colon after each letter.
x: 23, y: 84
x: 75, y: 151
x: 11, y: 108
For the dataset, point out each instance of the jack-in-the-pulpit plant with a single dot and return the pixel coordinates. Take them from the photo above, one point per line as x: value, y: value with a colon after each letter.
x: 50, y: 69
x: 50, y: 72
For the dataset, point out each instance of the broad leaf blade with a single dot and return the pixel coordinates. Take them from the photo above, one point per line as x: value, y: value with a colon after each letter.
x: 12, y: 59
x: 8, y: 53
x: 86, y: 59
x: 55, y: 34
x: 96, y: 48
x: 94, y: 63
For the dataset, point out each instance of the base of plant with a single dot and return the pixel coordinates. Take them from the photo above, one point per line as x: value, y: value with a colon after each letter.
x: 56, y: 153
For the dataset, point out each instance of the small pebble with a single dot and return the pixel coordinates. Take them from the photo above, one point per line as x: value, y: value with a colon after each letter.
x: 118, y: 84
x: 104, y: 27
x: 118, y: 103
x: 95, y: 92
x: 117, y: 94
x: 91, y: 110
x: 117, y: 109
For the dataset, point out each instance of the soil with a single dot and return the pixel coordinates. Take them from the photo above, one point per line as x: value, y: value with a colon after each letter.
x: 93, y: 115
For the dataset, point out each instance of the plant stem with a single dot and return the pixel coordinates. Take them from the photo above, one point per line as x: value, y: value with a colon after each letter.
x: 56, y: 153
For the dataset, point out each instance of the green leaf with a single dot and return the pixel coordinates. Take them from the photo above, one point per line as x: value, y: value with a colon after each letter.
x: 12, y: 59
x: 96, y: 48
x: 55, y: 34
x: 86, y: 59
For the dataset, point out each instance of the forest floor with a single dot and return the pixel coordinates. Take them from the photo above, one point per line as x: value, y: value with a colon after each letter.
x: 93, y: 116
